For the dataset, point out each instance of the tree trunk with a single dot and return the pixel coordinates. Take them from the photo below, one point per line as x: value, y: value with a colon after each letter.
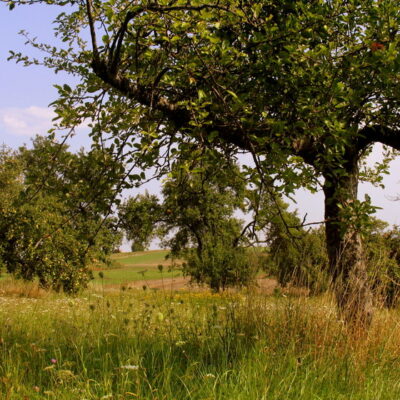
x: 348, y: 269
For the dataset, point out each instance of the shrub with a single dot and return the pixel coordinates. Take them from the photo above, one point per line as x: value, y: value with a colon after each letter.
x: 220, y: 266
x: 383, y: 257
x: 299, y: 258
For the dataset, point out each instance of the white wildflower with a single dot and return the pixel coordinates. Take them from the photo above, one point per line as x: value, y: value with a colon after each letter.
x: 130, y: 367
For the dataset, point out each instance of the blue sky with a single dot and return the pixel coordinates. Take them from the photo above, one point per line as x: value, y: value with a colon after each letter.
x: 26, y: 92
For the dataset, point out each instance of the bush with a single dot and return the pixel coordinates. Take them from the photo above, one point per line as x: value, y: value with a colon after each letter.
x: 220, y: 266
x: 383, y: 257
x: 299, y: 258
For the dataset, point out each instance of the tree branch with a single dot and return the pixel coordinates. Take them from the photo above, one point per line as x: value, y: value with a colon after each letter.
x: 378, y: 133
x: 114, y: 56
x: 89, y: 7
x: 155, y: 8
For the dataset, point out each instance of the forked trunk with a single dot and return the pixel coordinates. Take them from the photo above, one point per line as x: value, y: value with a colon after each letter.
x: 348, y: 269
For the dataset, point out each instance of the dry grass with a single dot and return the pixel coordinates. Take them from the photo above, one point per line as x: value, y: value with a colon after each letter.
x: 14, y: 288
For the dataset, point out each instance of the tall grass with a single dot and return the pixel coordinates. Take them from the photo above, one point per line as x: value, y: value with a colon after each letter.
x: 157, y: 345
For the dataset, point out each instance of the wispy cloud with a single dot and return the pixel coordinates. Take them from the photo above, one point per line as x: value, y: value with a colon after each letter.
x: 27, y: 121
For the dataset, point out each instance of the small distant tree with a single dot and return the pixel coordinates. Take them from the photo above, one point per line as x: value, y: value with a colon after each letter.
x: 138, y: 216
x: 200, y: 199
x: 196, y: 220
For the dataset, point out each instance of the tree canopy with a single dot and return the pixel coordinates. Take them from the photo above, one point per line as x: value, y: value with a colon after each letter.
x: 52, y: 214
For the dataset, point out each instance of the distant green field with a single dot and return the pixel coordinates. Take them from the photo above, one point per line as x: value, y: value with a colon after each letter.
x: 139, y: 266
x: 142, y: 258
x: 131, y: 267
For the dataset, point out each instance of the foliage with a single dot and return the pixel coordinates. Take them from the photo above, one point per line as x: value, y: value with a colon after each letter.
x: 200, y: 202
x: 197, y: 210
x: 382, y: 249
x: 296, y: 256
x: 11, y: 184
x: 219, y: 264
x: 53, y: 222
x: 223, y: 73
x: 137, y: 217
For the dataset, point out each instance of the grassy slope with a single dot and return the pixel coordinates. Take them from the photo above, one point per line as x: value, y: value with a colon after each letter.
x: 129, y: 267
x: 155, y: 345
x: 153, y: 257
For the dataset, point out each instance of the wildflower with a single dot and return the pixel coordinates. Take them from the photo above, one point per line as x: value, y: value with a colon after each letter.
x: 160, y: 316
x: 130, y: 367
x: 53, y: 361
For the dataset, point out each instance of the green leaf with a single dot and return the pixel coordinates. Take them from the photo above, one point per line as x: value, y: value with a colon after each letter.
x: 201, y: 94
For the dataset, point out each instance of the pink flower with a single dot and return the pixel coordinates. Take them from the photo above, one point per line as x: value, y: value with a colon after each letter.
x: 53, y: 361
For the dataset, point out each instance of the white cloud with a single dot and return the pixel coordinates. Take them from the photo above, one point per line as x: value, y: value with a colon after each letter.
x: 27, y: 121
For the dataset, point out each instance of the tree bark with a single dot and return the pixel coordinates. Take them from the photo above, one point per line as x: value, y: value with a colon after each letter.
x: 348, y: 269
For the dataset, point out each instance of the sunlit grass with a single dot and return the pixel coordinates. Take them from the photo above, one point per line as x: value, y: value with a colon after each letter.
x: 139, y: 266
x: 121, y: 276
x: 153, y: 257
x: 162, y: 345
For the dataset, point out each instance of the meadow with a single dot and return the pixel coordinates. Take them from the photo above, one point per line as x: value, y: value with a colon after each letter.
x: 132, y: 267
x: 164, y: 345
